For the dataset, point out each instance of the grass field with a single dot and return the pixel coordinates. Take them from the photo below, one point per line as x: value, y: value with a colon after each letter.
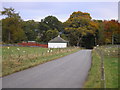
x: 110, y: 59
x: 19, y: 58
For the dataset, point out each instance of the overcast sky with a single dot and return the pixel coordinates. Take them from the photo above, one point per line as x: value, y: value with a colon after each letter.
x: 62, y: 10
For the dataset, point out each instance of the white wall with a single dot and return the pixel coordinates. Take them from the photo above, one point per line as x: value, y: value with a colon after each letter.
x: 57, y: 45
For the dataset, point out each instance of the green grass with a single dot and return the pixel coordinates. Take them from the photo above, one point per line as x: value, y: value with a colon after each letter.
x: 15, y: 59
x: 94, y: 78
x: 111, y: 72
x: 110, y: 57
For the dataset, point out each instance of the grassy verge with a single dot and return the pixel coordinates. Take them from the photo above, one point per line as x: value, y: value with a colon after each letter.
x: 110, y: 57
x: 94, y: 76
x: 15, y: 59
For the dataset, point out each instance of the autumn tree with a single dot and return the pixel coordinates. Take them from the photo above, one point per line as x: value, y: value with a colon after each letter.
x: 80, y: 26
x: 112, y: 32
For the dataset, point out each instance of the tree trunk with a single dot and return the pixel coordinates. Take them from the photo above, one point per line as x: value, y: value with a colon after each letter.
x: 79, y: 40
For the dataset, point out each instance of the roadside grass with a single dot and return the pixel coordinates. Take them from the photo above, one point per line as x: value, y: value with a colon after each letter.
x: 94, y: 76
x: 15, y: 59
x: 110, y: 58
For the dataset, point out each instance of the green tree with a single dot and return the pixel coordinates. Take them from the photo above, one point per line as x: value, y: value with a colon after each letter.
x: 100, y: 33
x: 53, y: 23
x: 10, y: 12
x: 50, y: 34
x: 11, y: 26
x: 50, y: 25
x: 30, y: 28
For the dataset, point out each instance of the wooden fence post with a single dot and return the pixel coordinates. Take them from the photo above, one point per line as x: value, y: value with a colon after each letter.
x: 103, y: 85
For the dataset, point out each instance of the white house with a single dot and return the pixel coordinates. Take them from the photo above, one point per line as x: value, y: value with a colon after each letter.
x: 57, y: 42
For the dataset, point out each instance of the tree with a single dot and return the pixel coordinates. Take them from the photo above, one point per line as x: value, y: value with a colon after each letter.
x: 49, y: 26
x: 50, y: 34
x: 53, y: 23
x: 10, y: 12
x: 12, y: 26
x: 50, y: 22
x: 111, y: 31
x: 100, y: 33
x: 80, y: 14
x: 78, y: 26
x: 30, y: 28
x: 108, y: 32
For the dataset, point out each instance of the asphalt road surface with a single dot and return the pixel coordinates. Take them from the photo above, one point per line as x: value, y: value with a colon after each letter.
x: 67, y: 72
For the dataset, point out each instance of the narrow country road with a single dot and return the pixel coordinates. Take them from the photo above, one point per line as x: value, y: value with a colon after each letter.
x: 67, y: 72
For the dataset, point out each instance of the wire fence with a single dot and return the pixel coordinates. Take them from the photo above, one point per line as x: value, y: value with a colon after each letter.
x: 101, y: 54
